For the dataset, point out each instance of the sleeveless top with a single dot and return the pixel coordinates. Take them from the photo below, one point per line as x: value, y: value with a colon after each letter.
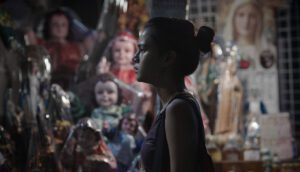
x: 155, y: 152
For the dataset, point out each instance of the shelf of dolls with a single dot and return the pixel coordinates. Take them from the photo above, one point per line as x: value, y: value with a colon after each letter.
x: 257, y: 166
x: 287, y: 166
x: 239, y: 166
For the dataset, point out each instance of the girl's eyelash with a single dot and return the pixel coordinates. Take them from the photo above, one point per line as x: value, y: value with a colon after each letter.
x: 141, y: 47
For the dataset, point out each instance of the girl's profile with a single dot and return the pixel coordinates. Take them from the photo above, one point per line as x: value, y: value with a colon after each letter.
x: 168, y: 51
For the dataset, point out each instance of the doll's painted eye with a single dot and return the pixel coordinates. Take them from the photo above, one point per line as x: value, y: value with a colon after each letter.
x: 127, y: 50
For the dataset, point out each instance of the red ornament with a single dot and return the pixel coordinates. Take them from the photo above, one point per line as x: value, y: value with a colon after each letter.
x: 244, y: 64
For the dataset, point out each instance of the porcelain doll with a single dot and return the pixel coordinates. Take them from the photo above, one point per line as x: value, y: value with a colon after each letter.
x: 119, y: 54
x: 122, y: 142
x: 58, y: 39
x: 108, y: 97
x: 229, y: 119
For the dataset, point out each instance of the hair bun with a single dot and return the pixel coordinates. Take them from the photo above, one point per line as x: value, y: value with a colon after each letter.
x: 204, y: 37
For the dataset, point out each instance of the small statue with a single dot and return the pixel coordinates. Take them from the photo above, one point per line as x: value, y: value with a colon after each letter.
x: 229, y: 119
x: 86, y: 150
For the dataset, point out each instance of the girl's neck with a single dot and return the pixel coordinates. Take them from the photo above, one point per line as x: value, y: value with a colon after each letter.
x: 170, y: 90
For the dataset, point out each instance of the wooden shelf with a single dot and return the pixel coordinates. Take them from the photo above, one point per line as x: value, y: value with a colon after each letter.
x: 239, y: 166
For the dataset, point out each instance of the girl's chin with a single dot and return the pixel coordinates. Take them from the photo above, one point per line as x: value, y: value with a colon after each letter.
x: 138, y: 79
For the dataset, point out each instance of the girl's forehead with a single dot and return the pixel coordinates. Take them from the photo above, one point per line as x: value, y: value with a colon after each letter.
x: 147, y: 37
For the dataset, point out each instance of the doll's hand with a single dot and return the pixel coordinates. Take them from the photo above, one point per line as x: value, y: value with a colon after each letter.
x: 103, y: 66
x: 145, y: 88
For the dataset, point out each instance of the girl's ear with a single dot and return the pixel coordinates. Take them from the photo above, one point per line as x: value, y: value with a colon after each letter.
x: 169, y: 58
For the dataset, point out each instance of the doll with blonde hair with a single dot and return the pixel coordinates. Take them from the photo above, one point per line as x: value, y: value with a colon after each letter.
x: 244, y: 26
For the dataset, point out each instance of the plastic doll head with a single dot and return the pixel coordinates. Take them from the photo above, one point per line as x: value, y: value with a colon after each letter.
x: 123, y: 48
x: 57, y: 25
x: 129, y: 124
x: 107, y: 91
x: 267, y: 59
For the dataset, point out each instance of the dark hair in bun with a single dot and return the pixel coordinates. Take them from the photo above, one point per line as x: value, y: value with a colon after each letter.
x: 204, y: 37
x: 179, y: 35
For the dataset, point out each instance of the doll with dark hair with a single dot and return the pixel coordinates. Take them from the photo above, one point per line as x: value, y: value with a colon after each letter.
x: 122, y: 142
x: 169, y: 50
x: 58, y: 40
x: 108, y: 97
x: 130, y: 125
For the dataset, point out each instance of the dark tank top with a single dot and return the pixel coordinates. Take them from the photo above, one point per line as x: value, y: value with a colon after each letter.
x: 155, y: 152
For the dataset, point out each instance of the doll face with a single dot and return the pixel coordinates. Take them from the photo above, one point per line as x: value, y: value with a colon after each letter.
x: 246, y: 20
x: 123, y: 52
x: 129, y: 126
x: 267, y: 59
x: 106, y: 93
x: 59, y: 27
